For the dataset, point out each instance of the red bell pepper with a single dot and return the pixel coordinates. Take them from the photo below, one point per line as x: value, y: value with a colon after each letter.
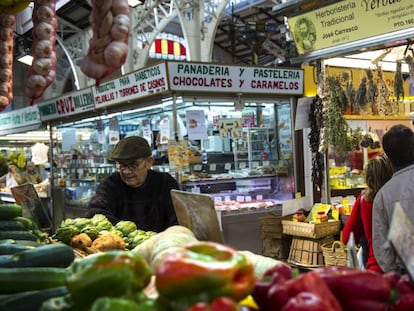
x: 218, y: 304
x: 405, y: 292
x: 306, y: 301
x: 278, y: 274
x: 311, y: 282
x: 201, y: 272
x: 354, y: 287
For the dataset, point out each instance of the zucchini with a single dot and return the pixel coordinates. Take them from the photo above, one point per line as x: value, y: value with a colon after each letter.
x: 10, y: 210
x: 12, y: 225
x: 20, y: 242
x: 18, y: 235
x: 8, y: 249
x: 49, y: 255
x: 15, y: 280
x: 30, y: 300
x: 27, y: 223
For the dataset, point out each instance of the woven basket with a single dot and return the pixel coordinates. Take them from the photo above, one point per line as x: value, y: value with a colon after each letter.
x: 335, y: 254
x: 311, y: 230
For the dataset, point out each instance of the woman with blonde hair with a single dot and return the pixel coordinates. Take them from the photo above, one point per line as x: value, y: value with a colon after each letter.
x: 378, y: 171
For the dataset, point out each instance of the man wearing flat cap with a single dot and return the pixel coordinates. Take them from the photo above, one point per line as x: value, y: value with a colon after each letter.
x: 135, y: 192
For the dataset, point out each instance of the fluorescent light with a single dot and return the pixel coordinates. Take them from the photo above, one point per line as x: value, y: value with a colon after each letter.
x: 26, y: 59
x: 135, y: 3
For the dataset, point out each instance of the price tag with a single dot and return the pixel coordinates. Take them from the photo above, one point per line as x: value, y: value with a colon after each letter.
x: 259, y: 197
x: 266, y: 163
x: 255, y: 164
x: 240, y: 198
x: 248, y: 198
x: 217, y: 200
x: 212, y: 167
x: 242, y: 165
x: 227, y: 166
x: 198, y: 167
x: 195, y: 190
x: 227, y: 198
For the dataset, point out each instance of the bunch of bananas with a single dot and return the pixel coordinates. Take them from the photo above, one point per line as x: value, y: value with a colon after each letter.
x: 13, y: 6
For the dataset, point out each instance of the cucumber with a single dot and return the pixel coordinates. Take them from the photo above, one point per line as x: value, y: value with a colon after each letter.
x: 30, y: 300
x: 12, y: 225
x: 49, y: 255
x: 27, y: 223
x: 9, y: 249
x: 17, y: 235
x: 15, y: 280
x: 10, y: 210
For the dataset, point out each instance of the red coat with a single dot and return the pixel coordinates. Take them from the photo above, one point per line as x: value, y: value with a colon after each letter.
x: 360, y: 222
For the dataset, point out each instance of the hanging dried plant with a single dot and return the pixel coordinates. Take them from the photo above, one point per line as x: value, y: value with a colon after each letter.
x: 372, y: 91
x: 349, y: 89
x: 383, y: 99
x: 398, y: 82
x: 410, y: 62
x: 336, y: 127
x: 361, y: 93
x: 337, y: 93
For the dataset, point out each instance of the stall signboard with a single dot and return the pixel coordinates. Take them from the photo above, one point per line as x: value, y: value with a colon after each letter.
x: 348, y: 21
x: 67, y: 105
x: 129, y: 87
x: 208, y: 77
x: 19, y: 120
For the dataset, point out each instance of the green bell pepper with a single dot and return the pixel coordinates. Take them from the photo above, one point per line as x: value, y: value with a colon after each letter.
x: 114, y: 304
x: 201, y: 272
x: 112, y: 274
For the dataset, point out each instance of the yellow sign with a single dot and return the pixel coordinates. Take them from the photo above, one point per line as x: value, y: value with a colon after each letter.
x: 348, y: 21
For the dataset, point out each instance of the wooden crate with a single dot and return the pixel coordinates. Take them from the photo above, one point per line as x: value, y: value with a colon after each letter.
x: 271, y: 225
x: 307, y: 252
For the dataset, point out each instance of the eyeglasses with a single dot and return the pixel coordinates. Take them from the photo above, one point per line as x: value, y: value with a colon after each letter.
x: 131, y: 166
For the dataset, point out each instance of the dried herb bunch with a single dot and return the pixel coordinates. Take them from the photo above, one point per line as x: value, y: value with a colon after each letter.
x: 398, y: 82
x: 372, y: 91
x: 336, y: 127
x: 349, y: 90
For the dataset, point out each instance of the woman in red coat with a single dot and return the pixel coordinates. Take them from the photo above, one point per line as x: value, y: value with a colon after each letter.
x: 378, y: 171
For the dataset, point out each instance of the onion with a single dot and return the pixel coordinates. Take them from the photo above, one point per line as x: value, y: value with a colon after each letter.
x: 45, y: 14
x: 6, y: 47
x: 4, y: 101
x: 120, y: 27
x: 106, y: 25
x: 48, y: 3
x: 92, y: 69
x: 6, y: 34
x: 116, y: 53
x: 43, y: 48
x: 33, y: 93
x: 51, y: 77
x: 6, y: 75
x: 8, y: 20
x: 42, y: 66
x: 6, y: 61
x: 4, y: 89
x: 44, y: 30
x: 36, y: 82
x: 120, y: 7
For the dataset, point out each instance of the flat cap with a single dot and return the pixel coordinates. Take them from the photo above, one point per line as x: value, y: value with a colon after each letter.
x: 131, y: 148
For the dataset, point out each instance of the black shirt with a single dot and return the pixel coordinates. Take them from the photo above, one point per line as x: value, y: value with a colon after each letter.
x: 148, y: 205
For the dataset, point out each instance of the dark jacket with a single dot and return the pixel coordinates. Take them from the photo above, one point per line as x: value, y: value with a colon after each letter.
x: 149, y: 205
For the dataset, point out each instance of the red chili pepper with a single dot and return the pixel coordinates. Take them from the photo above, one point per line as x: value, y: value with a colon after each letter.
x: 346, y: 283
x: 306, y: 301
x: 279, y: 294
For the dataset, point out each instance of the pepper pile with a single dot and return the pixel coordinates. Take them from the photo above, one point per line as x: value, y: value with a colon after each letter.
x: 333, y: 288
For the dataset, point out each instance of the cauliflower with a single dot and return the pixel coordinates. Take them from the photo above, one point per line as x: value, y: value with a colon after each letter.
x: 126, y: 227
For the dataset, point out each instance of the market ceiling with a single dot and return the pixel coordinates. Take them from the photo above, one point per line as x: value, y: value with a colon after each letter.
x: 252, y: 31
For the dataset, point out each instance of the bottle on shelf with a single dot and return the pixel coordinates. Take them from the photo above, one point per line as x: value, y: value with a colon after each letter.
x: 204, y: 157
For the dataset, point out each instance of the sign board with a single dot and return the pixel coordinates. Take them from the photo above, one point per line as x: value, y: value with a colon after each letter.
x: 20, y: 120
x: 67, y: 105
x: 207, y: 77
x: 348, y: 21
x: 141, y: 83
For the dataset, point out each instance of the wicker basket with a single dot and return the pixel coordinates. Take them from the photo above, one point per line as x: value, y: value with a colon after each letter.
x: 335, y: 254
x: 311, y: 230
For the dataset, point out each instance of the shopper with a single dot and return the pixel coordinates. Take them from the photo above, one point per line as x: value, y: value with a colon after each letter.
x: 135, y: 192
x: 12, y: 178
x: 398, y: 144
x: 378, y: 171
x: 31, y: 175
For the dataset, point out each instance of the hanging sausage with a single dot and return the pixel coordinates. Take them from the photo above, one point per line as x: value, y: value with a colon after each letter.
x: 108, y: 47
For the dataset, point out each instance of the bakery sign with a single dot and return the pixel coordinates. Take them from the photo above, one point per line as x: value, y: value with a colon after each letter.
x: 208, y: 77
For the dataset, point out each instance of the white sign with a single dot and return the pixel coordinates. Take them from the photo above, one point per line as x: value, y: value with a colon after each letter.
x: 67, y: 105
x: 20, y: 118
x: 206, y: 77
x: 196, y: 124
x: 147, y: 81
